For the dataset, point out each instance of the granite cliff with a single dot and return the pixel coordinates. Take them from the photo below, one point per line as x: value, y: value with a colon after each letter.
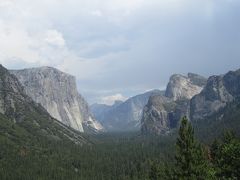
x: 24, y: 120
x: 163, y: 112
x: 57, y: 93
x: 219, y: 91
x: 184, y: 87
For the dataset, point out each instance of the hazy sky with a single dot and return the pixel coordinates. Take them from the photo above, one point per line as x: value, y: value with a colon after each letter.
x: 118, y: 48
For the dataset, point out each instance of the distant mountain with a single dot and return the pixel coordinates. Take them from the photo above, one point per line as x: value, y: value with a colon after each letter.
x: 57, y: 93
x: 24, y: 121
x: 123, y: 116
x: 163, y: 112
x: 99, y: 110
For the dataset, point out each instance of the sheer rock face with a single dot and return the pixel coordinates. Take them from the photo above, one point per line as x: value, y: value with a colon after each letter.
x: 182, y: 87
x: 18, y: 107
x: 219, y: 91
x: 57, y: 93
x: 155, y: 116
x: 162, y: 113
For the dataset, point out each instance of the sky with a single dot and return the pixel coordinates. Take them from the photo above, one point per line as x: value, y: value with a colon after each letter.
x: 120, y: 48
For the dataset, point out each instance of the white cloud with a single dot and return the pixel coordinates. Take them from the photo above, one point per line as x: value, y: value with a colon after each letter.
x: 15, y: 42
x: 28, y: 32
x: 97, y: 13
x: 53, y: 37
x: 110, y: 100
x: 5, y: 3
x: 107, y: 44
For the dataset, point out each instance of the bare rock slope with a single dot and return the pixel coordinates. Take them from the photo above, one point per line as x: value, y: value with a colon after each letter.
x: 57, y: 93
x: 163, y: 112
x: 22, y: 119
x: 219, y: 91
x: 184, y: 87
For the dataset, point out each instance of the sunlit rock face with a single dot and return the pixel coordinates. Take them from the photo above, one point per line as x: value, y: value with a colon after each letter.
x: 57, y: 93
x: 163, y: 112
x: 184, y: 87
x: 33, y: 120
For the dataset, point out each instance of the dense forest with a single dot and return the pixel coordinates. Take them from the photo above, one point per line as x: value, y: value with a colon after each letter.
x: 194, y: 160
x: 107, y: 156
x: 123, y: 156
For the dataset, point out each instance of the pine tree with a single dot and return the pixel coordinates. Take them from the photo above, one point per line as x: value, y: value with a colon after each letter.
x: 154, y: 172
x: 226, y: 157
x: 191, y: 161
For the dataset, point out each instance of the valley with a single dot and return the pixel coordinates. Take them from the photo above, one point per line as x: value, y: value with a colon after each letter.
x: 119, y: 90
x: 133, y: 137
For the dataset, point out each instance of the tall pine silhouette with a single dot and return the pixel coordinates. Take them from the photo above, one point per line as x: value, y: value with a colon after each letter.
x: 191, y: 162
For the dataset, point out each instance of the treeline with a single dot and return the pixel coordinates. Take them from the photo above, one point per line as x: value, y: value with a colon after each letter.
x: 193, y: 160
x: 114, y: 156
x: 119, y: 157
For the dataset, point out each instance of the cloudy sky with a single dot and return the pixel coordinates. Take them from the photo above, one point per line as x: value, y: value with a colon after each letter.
x: 119, y: 48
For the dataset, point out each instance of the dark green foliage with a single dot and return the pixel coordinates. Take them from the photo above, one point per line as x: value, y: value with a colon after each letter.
x: 157, y: 171
x: 226, y: 157
x: 112, y: 156
x: 222, y: 160
x: 191, y: 162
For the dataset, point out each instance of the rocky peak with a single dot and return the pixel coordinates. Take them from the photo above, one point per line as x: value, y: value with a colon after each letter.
x: 218, y: 91
x: 232, y: 82
x: 163, y: 112
x: 184, y: 87
x: 57, y: 93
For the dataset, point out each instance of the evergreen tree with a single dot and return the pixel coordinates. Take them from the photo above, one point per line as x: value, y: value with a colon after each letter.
x: 154, y: 171
x: 191, y: 161
x: 226, y: 157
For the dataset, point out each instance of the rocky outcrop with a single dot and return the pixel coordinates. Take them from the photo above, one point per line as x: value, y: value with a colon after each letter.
x: 57, y: 93
x: 184, y: 87
x: 219, y: 91
x: 163, y: 112
x: 155, y: 117
x: 123, y: 116
x: 30, y: 117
